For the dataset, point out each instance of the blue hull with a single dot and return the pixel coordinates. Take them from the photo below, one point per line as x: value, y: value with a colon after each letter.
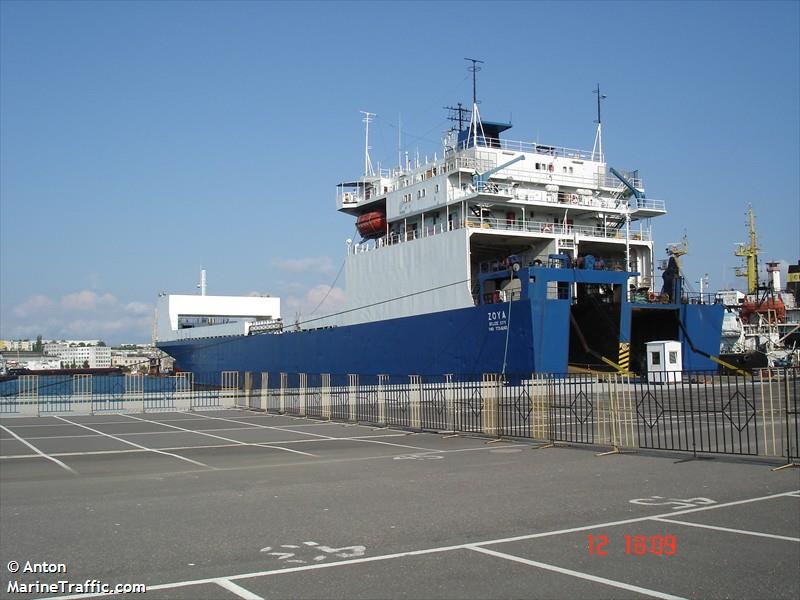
x: 455, y: 341
x: 465, y: 341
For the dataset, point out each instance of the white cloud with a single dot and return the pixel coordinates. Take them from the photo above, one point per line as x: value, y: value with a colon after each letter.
x: 86, y: 300
x: 32, y: 306
x: 311, y: 264
x: 83, y: 314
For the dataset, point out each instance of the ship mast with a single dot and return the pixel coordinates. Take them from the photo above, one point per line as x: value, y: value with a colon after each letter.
x: 598, y: 138
x: 475, y: 124
x: 749, y: 252
x: 368, y: 172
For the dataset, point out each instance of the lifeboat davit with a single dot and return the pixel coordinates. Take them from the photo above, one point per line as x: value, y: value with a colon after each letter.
x: 371, y: 225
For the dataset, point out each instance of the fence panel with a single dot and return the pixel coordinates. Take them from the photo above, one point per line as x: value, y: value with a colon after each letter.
x: 367, y: 408
x: 108, y: 393
x: 206, y: 389
x: 515, y: 407
x: 291, y: 393
x: 314, y: 396
x: 435, y: 410
x: 704, y: 412
x: 55, y: 394
x: 792, y: 393
x: 467, y: 394
x: 398, y: 401
x: 340, y: 397
x: 571, y: 408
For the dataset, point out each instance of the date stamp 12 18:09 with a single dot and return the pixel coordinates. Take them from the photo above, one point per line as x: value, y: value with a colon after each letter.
x: 636, y: 545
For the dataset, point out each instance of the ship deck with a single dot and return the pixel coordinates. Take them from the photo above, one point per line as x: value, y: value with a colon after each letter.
x: 227, y: 504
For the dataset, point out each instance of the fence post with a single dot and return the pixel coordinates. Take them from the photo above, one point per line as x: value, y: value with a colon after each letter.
x: 352, y: 393
x: 491, y: 403
x: 381, y: 396
x: 229, y: 386
x: 282, y: 394
x: 449, y: 402
x: 183, y: 393
x: 415, y: 401
x: 301, y: 408
x: 325, y: 395
x: 134, y: 392
x: 264, y: 392
x: 82, y: 392
x: 248, y: 389
x: 28, y: 395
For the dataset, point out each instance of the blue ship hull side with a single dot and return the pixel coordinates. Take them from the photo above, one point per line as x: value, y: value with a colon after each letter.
x: 703, y: 323
x: 470, y: 340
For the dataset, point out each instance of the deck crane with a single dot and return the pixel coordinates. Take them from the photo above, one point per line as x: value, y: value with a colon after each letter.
x: 479, y: 180
x: 638, y: 194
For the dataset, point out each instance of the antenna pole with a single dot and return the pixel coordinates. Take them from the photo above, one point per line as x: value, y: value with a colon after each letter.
x: 399, y: 142
x: 367, y: 163
x: 475, y: 124
x: 598, y: 138
x: 474, y: 69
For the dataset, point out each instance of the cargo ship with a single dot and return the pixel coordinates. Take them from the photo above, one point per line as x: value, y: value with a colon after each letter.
x: 761, y: 328
x: 494, y: 256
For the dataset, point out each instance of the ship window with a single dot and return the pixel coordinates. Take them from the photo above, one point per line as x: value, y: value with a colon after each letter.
x: 655, y: 358
x: 557, y: 290
x: 673, y: 357
x: 537, y: 166
x: 564, y: 169
x: 570, y: 170
x: 423, y: 192
x: 436, y: 189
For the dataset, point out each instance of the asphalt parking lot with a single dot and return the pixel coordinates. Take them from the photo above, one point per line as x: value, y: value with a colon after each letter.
x: 238, y: 504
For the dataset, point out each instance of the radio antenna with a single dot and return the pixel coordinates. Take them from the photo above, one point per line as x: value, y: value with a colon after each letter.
x: 367, y: 162
x: 598, y: 138
x: 475, y: 124
x: 474, y: 70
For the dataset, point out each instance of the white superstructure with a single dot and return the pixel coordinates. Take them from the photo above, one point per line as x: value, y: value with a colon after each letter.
x: 446, y: 221
x: 185, y: 316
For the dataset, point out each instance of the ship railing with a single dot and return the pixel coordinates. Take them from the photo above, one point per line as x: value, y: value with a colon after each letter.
x: 497, y: 224
x: 557, y: 229
x: 532, y: 147
x: 562, y: 197
x: 648, y: 204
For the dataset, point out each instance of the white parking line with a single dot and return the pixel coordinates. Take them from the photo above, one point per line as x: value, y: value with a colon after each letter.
x: 467, y: 546
x: 113, y: 437
x: 321, y: 436
x: 237, y: 589
x: 219, y: 437
x: 578, y: 574
x: 741, y: 531
x: 39, y: 452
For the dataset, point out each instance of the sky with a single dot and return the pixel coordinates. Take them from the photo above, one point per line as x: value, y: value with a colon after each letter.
x: 143, y: 141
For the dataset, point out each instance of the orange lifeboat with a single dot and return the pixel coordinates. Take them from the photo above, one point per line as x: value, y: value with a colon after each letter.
x: 371, y: 225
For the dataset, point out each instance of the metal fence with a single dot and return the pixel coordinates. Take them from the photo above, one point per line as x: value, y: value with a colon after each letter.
x: 707, y: 413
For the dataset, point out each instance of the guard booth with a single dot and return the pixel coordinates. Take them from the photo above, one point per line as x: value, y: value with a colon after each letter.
x: 664, y: 363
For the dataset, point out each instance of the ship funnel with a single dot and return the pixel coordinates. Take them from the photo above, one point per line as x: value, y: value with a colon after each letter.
x: 774, y: 270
